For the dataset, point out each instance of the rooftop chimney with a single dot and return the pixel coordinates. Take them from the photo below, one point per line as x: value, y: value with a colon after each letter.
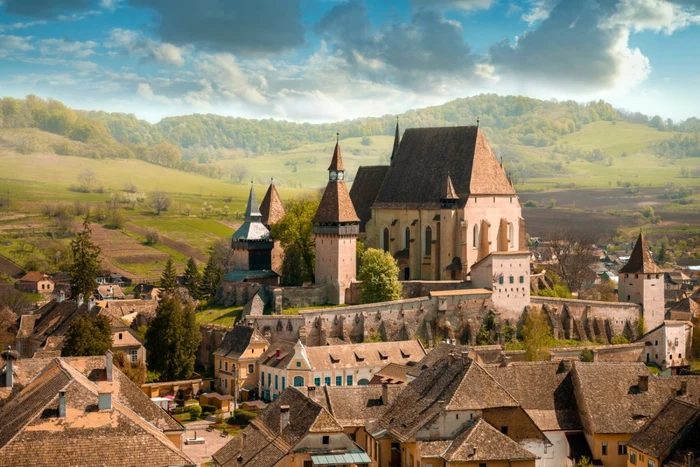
x: 643, y: 383
x: 61, y: 296
x: 9, y: 356
x: 104, y: 401
x: 277, y: 353
x: 385, y: 394
x: 284, y: 417
x: 443, y: 416
x: 311, y: 391
x: 505, y: 360
x: 108, y: 365
x: 80, y: 299
x: 690, y: 459
x: 62, y: 404
x: 91, y: 302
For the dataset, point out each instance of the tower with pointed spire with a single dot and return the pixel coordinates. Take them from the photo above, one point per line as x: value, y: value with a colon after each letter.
x: 336, y: 227
x: 252, y: 245
x: 641, y: 281
x: 272, y: 210
x: 397, y: 139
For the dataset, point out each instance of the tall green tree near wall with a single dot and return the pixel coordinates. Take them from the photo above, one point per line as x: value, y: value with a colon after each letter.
x: 295, y: 233
x: 88, y: 336
x: 83, y: 270
x: 537, y: 336
x: 192, y: 278
x: 379, y: 274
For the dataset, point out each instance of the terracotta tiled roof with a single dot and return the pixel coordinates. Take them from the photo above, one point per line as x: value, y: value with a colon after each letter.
x: 55, y: 319
x: 336, y: 205
x: 327, y: 357
x: 270, y: 358
x: 426, y: 154
x: 365, y: 187
x: 127, y: 434
x: 640, y: 261
x: 545, y: 390
x: 237, y: 341
x: 337, y: 160
x: 437, y: 353
x: 666, y: 429
x: 355, y: 406
x: 272, y: 208
x: 611, y: 395
x: 34, y: 276
x: 393, y: 373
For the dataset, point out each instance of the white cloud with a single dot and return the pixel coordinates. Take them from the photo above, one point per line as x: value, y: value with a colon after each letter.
x: 652, y: 15
x: 538, y: 10
x: 135, y: 44
x: 144, y: 90
x: 21, y: 25
x: 223, y: 75
x: 455, y: 4
x: 9, y: 44
x: 64, y: 46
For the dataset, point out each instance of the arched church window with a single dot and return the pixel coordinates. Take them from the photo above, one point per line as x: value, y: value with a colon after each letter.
x: 475, y: 241
x: 385, y: 239
x: 428, y: 241
x: 407, y: 238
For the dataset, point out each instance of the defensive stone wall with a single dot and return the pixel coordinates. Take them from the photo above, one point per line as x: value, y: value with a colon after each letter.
x: 589, y: 320
x: 239, y: 293
x: 602, y: 353
x: 280, y: 327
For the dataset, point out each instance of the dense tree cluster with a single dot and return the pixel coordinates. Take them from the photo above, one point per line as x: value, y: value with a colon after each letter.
x: 295, y: 233
x: 88, y: 336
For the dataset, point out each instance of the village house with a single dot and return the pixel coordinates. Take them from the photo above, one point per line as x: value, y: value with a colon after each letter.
x: 125, y: 339
x: 453, y: 414
x: 36, y: 282
x: 287, y: 364
x: 235, y: 368
x: 110, y: 292
x: 670, y: 439
x: 459, y: 207
x: 615, y: 400
x: 669, y: 345
x: 293, y: 431
x: 81, y: 411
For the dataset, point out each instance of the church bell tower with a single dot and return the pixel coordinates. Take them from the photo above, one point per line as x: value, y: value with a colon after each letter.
x: 336, y: 227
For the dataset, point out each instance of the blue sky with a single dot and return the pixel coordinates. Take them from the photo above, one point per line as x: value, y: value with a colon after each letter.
x: 325, y: 60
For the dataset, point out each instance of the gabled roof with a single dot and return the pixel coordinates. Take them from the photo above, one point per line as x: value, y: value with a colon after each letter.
x: 438, y: 352
x: 237, y: 341
x: 545, y: 390
x: 355, y: 406
x: 423, y: 157
x: 666, y: 430
x: 481, y: 442
x: 640, y: 261
x: 272, y: 208
x: 252, y: 228
x: 370, y: 354
x: 458, y: 381
x: 365, y: 187
x: 336, y: 205
x: 611, y: 395
x: 54, y: 319
x: 270, y: 358
x: 35, y: 276
x: 263, y: 443
x: 130, y: 433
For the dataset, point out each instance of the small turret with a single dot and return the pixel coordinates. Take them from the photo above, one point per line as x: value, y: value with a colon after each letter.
x: 449, y: 197
x: 9, y: 356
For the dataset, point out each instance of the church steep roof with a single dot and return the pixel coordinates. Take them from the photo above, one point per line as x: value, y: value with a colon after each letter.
x: 423, y: 157
x: 364, y: 190
x: 337, y: 160
x: 336, y: 205
x: 271, y: 208
x: 640, y: 261
x: 252, y: 228
x: 397, y: 138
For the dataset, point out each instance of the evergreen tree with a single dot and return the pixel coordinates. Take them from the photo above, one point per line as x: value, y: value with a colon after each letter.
x: 168, y: 280
x: 192, y: 278
x: 379, y: 274
x: 88, y: 336
x: 172, y: 339
x: 211, y: 279
x: 83, y: 270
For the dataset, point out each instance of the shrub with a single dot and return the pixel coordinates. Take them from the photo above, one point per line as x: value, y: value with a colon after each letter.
x: 206, y: 408
x: 586, y: 355
x: 152, y: 237
x: 244, y: 415
x: 195, y: 411
x: 179, y: 410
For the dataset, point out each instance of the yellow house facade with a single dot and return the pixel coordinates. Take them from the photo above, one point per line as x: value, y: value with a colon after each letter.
x: 235, y: 362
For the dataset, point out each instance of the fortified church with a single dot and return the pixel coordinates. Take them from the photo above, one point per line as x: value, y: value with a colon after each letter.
x: 446, y: 210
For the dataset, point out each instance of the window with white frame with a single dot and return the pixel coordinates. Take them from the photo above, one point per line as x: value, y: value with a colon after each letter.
x: 134, y: 354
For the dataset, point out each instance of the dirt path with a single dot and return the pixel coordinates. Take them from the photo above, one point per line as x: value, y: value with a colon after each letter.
x: 180, y: 247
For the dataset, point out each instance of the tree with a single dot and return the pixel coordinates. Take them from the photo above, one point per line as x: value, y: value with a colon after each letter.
x: 160, y: 201
x: 88, y: 336
x: 168, y: 280
x: 380, y: 277
x: 239, y: 172
x: 295, y: 233
x: 87, y: 177
x: 83, y: 270
x: 8, y: 326
x: 603, y: 292
x: 211, y: 278
x: 136, y: 372
x: 192, y: 278
x: 222, y: 254
x: 584, y: 461
x: 536, y: 336
x: 573, y: 250
x: 172, y: 339
x: 14, y: 300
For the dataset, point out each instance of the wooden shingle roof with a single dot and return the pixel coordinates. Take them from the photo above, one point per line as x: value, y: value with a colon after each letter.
x: 272, y: 208
x: 425, y: 155
x: 237, y: 341
x: 664, y: 431
x: 336, y: 205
